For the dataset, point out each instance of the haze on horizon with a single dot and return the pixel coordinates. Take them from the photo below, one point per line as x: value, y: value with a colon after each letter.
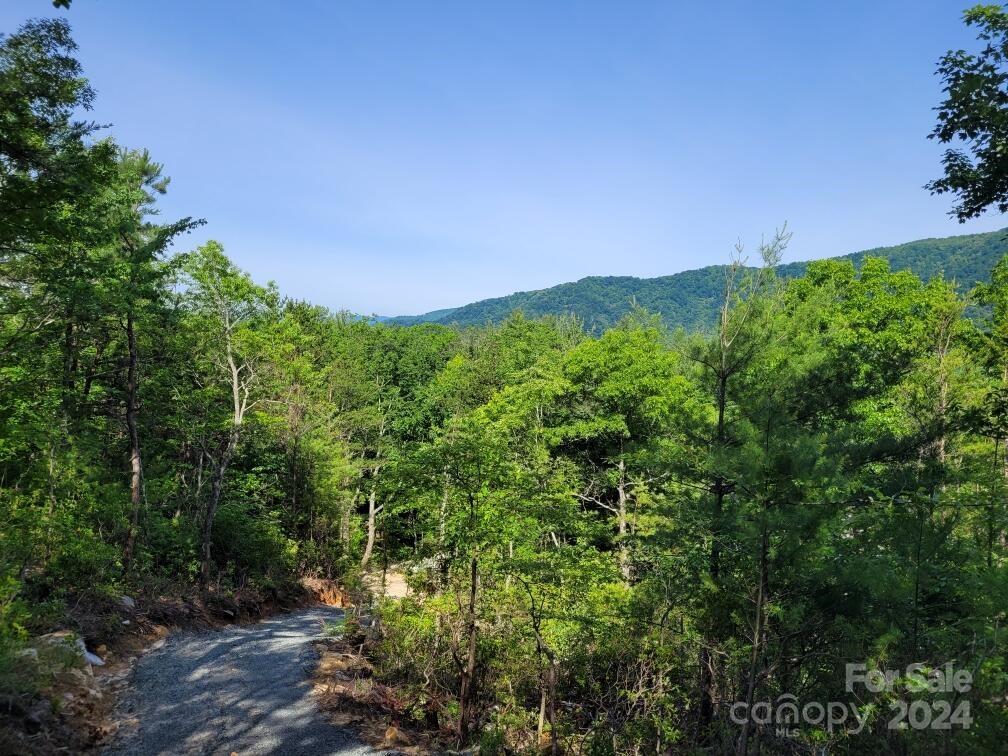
x: 411, y: 159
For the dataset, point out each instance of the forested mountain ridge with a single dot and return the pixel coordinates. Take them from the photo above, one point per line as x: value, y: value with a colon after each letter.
x: 691, y: 298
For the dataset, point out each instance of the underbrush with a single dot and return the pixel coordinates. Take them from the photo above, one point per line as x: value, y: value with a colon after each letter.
x: 599, y: 683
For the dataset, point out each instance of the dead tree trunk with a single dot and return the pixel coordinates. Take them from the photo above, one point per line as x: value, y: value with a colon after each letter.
x: 372, y: 526
x: 240, y: 388
x: 373, y: 509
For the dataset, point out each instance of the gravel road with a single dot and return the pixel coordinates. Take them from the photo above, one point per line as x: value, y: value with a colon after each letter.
x: 241, y: 690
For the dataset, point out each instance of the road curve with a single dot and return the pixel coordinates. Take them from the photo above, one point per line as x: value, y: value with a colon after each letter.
x: 244, y: 690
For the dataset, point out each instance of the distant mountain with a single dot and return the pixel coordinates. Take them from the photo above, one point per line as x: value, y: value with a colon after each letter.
x: 691, y: 298
x: 434, y: 316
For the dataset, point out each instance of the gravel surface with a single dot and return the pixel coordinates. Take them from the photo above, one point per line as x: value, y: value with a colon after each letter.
x: 241, y: 690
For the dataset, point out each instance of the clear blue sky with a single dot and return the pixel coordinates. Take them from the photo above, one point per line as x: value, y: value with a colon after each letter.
x: 396, y: 157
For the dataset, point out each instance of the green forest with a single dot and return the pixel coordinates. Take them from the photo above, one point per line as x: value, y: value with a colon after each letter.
x: 617, y: 532
x: 692, y: 299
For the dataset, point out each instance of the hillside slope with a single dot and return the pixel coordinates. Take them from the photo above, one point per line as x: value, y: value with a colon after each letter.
x: 691, y: 298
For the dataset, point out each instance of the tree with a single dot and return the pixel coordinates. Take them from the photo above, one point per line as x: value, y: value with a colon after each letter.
x: 230, y: 311
x: 473, y: 456
x: 623, y: 392
x: 722, y: 359
x: 974, y: 116
x: 141, y: 245
x: 45, y: 160
x: 54, y: 184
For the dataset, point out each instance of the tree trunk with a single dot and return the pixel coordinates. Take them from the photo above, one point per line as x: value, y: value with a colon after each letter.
x: 443, y: 512
x: 294, y: 478
x: 621, y: 523
x: 69, y: 370
x: 917, y: 578
x: 719, y: 487
x: 344, y: 529
x: 136, y: 467
x: 542, y: 714
x: 507, y: 578
x: 758, y: 631
x: 554, y: 745
x: 547, y: 682
x: 372, y: 528
x: 216, y: 488
x: 467, y: 682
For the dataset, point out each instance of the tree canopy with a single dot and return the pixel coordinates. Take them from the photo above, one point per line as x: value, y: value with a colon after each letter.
x: 973, y: 118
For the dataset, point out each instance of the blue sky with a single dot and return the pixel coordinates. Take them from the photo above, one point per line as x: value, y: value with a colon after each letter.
x: 397, y: 157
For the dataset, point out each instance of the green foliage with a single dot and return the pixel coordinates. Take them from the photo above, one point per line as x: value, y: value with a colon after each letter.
x: 252, y: 542
x: 333, y: 629
x: 13, y: 617
x: 974, y: 116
